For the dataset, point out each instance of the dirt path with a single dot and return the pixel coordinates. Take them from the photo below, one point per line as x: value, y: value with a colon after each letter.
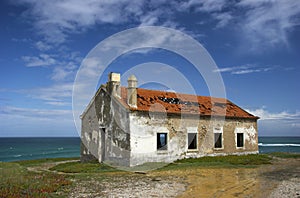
x: 286, y: 177
x: 281, y: 179
x: 244, y: 182
x: 132, y: 185
x: 46, y: 166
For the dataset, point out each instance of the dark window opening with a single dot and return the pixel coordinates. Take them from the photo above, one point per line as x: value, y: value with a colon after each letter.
x: 162, y: 139
x: 192, y: 140
x: 218, y: 140
x: 240, y: 139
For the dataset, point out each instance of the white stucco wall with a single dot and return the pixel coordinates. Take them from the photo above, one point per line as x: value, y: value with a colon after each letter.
x: 143, y: 141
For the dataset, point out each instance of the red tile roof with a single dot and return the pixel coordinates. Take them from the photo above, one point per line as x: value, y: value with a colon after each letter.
x: 177, y: 103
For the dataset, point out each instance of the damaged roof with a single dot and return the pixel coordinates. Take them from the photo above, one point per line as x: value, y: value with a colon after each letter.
x: 177, y: 103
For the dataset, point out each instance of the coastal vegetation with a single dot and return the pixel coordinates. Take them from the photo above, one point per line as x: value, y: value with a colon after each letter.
x: 17, y: 181
x: 57, y: 177
x: 285, y: 155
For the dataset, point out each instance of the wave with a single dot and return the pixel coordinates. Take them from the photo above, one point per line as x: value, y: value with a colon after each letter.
x: 54, y: 152
x: 45, y: 153
x: 262, y: 144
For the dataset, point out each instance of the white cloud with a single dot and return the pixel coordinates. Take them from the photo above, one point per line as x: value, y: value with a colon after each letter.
x: 284, y: 115
x: 64, y: 65
x: 258, y: 24
x: 226, y: 69
x: 213, y: 7
x: 34, y: 113
x: 204, y: 5
x: 261, y: 23
x: 282, y: 123
x: 150, y: 18
x: 57, y: 94
x: 42, y: 46
x: 244, y: 69
x: 65, y: 71
x: 20, y: 121
x: 269, y: 22
x: 60, y: 73
x: 57, y: 103
x: 41, y: 60
x: 223, y: 19
x: 55, y: 19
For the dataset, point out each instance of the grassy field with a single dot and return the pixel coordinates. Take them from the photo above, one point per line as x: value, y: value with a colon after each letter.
x: 78, y: 167
x: 221, y: 161
x: 19, y: 180
x: 37, y: 162
x: 285, y: 155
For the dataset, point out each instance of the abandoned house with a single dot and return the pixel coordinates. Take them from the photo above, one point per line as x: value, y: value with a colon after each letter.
x: 131, y: 126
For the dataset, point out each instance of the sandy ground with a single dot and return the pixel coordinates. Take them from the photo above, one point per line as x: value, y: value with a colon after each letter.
x: 286, y: 177
x: 281, y: 179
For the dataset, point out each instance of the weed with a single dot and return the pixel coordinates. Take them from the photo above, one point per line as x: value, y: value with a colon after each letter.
x: 285, y: 155
x: 79, y: 167
x: 17, y: 181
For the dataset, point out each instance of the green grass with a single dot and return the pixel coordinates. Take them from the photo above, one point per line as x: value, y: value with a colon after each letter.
x: 79, y: 167
x: 37, y: 162
x: 17, y: 181
x: 285, y: 155
x: 221, y: 161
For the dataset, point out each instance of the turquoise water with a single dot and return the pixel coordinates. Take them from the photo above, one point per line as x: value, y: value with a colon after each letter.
x: 13, y: 149
x: 279, y: 144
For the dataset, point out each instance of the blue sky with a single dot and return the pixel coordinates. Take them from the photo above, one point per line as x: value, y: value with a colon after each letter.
x: 255, y: 45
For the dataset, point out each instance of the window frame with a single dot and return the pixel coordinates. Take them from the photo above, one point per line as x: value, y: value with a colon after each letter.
x: 166, y: 142
x: 195, y: 135
x: 192, y: 130
x: 237, y: 141
x: 218, y: 130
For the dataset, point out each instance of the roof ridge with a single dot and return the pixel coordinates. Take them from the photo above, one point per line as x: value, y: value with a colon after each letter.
x: 179, y: 93
x: 181, y: 103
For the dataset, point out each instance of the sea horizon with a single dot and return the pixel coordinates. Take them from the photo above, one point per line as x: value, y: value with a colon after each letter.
x: 27, y: 148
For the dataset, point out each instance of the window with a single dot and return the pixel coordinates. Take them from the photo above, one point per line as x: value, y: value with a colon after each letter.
x: 218, y: 140
x: 218, y: 137
x: 162, y: 139
x: 240, y: 139
x: 192, y: 140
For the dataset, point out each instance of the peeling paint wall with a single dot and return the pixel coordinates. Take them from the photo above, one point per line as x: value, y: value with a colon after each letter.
x: 113, y: 134
x: 105, y: 127
x: 144, y: 129
x: 114, y: 118
x: 90, y: 135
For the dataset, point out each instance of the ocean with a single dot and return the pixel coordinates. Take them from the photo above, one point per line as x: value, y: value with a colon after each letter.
x: 279, y: 144
x: 14, y: 149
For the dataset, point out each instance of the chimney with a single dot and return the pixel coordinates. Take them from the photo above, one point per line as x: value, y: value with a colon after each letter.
x: 132, y: 92
x: 113, y: 84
